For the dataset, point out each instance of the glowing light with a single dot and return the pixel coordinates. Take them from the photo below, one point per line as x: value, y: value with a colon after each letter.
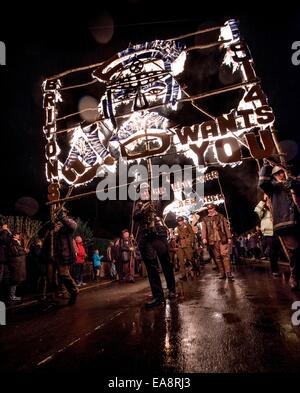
x: 218, y: 199
x: 141, y: 75
x: 178, y: 65
x: 209, y: 176
x: 135, y: 82
x: 228, y: 149
x: 228, y: 60
x: 186, y: 207
x: 230, y: 32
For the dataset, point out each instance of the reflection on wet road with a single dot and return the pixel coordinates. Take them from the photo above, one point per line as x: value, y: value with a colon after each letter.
x: 213, y: 326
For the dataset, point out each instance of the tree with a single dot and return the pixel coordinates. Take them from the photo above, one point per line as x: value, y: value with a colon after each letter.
x: 28, y: 227
x: 84, y: 231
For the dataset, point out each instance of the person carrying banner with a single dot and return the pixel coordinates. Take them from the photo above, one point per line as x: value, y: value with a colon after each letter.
x: 284, y: 193
x: 270, y: 242
x: 153, y: 244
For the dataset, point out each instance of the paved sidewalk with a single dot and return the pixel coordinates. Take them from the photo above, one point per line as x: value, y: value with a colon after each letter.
x: 31, y: 300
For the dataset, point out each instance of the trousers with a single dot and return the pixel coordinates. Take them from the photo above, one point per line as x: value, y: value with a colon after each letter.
x: 221, y: 256
x: 152, y: 250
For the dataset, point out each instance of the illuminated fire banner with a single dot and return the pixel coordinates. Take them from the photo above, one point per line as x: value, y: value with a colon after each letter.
x: 191, y: 204
x: 195, y: 95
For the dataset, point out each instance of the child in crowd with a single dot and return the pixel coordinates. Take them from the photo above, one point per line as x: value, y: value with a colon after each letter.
x: 97, y: 262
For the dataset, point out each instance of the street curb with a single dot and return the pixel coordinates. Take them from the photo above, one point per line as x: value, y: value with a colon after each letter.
x: 265, y: 261
x: 36, y: 301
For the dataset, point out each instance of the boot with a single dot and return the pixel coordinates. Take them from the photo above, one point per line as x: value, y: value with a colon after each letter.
x: 229, y: 276
x: 73, y: 298
x: 172, y: 294
x: 293, y: 281
x: 155, y: 302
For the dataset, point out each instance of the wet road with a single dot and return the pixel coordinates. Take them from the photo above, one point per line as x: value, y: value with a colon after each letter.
x: 213, y: 327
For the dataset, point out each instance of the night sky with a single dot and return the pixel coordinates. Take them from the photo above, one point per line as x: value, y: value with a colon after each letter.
x: 45, y: 42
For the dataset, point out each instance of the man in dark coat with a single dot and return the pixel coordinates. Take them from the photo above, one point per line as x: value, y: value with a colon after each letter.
x: 64, y: 252
x: 153, y: 244
x: 48, y: 277
x: 34, y: 266
x: 5, y: 239
x: 286, y: 217
x: 16, y: 265
x: 57, y: 255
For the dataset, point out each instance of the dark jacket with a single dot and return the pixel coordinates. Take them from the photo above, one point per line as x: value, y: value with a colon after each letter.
x: 284, y: 210
x: 221, y: 225
x: 252, y: 241
x: 35, y: 261
x: 46, y: 257
x: 124, y: 249
x: 115, y: 253
x: 5, y: 239
x: 142, y: 216
x: 64, y: 252
x: 17, y: 263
